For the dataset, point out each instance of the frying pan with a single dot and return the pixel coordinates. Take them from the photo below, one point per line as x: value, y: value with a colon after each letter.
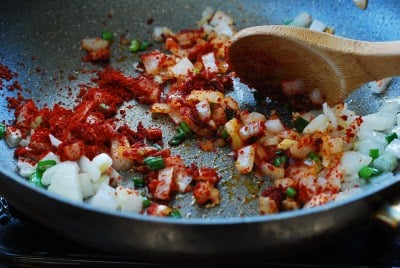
x: 40, y: 41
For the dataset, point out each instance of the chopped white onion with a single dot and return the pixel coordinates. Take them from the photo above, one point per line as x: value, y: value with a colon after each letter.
x: 317, y: 25
x: 302, y: 20
x: 182, y: 68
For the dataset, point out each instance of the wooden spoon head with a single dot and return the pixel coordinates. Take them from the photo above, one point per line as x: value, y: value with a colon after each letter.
x: 264, y: 56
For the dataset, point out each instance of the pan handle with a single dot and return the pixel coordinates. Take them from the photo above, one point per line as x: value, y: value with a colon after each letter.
x: 389, y: 214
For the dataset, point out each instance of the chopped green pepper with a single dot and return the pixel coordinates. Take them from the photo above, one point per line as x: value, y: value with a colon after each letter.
x: 313, y: 156
x: 107, y: 35
x: 135, y: 46
x: 291, y: 192
x: 35, y: 178
x: 154, y: 162
x: 367, y: 172
x: 374, y: 153
x: 138, y: 181
x: 280, y: 160
x: 2, y: 130
x: 175, y: 213
x: 300, y: 124
x: 390, y: 137
x: 144, y: 45
x: 43, y: 165
x: 146, y: 202
x: 222, y: 132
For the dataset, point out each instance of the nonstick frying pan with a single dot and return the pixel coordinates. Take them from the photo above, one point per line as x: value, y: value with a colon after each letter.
x: 40, y: 41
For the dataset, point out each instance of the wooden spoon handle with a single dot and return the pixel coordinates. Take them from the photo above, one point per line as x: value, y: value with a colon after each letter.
x: 377, y: 60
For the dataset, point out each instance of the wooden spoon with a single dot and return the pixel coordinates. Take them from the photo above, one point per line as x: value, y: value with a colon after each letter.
x: 264, y: 56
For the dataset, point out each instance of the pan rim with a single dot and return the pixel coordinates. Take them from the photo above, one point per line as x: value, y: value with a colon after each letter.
x: 235, y: 220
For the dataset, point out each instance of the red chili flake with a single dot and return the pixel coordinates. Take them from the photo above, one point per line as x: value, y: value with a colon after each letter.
x: 5, y: 73
x: 275, y: 194
x: 150, y: 21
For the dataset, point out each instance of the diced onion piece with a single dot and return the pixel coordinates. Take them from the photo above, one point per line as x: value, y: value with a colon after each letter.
x: 86, y: 185
x: 63, y: 180
x: 51, y: 156
x: 13, y: 136
x: 104, y: 179
x: 162, y: 108
x: 351, y: 162
x: 129, y: 199
x: 317, y: 25
x: 209, y: 62
x: 152, y: 61
x: 380, y: 85
x: 232, y: 128
x: 272, y: 171
x: 182, y: 68
x: 364, y: 146
x: 251, y: 129
x: 163, y: 188
x: 210, y: 96
x: 286, y: 144
x: 94, y: 44
x: 25, y: 167
x: 319, y: 123
x: 379, y: 121
x: 302, y: 20
x: 252, y: 117
x: 274, y: 125
x: 221, y: 16
x: 361, y: 4
x: 330, y: 114
x: 51, y: 173
x: 118, y: 146
x: 90, y: 168
x: 394, y: 148
x: 182, y: 181
x: 267, y: 205
x: 206, y: 15
x: 245, y: 159
x: 54, y: 141
x: 203, y: 110
x: 159, y: 33
x: 103, y: 161
x: 386, y: 162
x: 104, y: 198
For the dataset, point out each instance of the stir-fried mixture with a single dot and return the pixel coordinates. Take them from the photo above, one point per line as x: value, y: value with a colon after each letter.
x: 80, y: 153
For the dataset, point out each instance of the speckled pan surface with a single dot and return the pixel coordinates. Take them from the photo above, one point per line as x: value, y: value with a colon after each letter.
x: 39, y: 40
